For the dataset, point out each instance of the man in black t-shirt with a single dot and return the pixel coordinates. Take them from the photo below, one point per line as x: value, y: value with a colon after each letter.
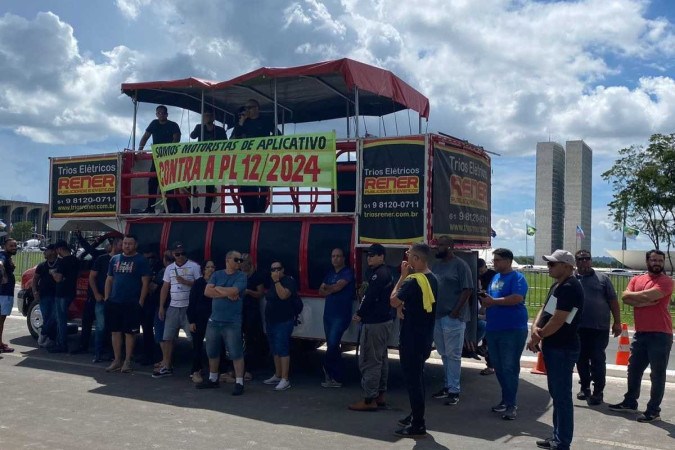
x: 94, y: 308
x: 44, y: 291
x: 163, y: 131
x: 208, y: 131
x: 414, y: 298
x: 375, y: 316
x: 251, y: 124
x: 65, y: 276
x: 554, y: 331
x: 7, y: 281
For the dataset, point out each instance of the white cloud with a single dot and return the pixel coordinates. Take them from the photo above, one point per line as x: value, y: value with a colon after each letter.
x: 131, y: 8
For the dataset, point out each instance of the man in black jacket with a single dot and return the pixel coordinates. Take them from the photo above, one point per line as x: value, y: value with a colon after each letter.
x: 375, y: 316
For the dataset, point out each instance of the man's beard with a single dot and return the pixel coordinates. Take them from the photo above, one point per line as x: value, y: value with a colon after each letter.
x: 442, y: 254
x: 655, y: 269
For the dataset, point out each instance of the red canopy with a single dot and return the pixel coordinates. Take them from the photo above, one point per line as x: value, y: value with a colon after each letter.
x: 307, y: 93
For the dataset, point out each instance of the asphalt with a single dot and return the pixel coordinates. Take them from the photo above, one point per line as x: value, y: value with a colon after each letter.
x: 65, y: 401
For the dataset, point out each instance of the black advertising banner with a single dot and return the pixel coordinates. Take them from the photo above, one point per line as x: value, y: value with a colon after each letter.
x: 392, y: 191
x: 84, y: 187
x: 461, y: 194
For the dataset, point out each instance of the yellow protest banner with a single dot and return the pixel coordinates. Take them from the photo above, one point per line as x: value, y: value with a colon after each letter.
x: 301, y: 160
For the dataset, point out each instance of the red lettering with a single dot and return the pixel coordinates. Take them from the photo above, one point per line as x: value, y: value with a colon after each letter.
x: 208, y: 171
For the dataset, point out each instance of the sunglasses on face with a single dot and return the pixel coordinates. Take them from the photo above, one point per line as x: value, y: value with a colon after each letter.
x: 584, y: 258
x: 176, y: 255
x: 276, y: 269
x: 552, y: 264
x: 238, y: 260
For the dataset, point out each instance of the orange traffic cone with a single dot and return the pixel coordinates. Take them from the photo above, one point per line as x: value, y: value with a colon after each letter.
x: 540, y: 367
x: 623, y: 352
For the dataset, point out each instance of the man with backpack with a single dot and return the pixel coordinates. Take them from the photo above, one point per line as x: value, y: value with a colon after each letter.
x: 375, y: 316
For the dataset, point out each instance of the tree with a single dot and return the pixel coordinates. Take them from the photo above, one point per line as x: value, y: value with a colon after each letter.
x: 22, y: 231
x: 643, y: 181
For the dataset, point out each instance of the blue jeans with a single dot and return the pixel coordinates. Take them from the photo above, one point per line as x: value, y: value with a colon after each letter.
x: 651, y: 349
x: 334, y: 328
x: 61, y: 307
x: 48, y: 329
x: 449, y: 340
x: 99, y: 331
x: 559, y: 366
x: 506, y: 347
x: 227, y: 332
x: 279, y: 336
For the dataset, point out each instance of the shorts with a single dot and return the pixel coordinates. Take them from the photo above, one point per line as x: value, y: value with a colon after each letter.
x: 230, y: 333
x: 279, y: 336
x: 175, y: 319
x: 6, y: 304
x: 123, y: 317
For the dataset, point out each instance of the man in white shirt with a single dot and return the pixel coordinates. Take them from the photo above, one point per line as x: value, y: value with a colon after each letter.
x: 178, y: 279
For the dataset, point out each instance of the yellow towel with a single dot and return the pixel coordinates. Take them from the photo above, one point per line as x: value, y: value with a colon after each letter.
x: 428, y: 298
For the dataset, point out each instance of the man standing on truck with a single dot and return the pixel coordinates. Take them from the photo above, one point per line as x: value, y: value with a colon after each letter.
x: 375, y: 316
x: 65, y: 276
x: 208, y: 131
x: 338, y: 288
x: 126, y: 288
x: 7, y: 282
x: 163, y: 131
x: 44, y: 291
x: 178, y: 279
x: 414, y: 298
x: 252, y: 125
x: 455, y: 286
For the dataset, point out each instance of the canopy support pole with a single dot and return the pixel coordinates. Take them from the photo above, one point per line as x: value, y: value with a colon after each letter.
x: 133, y: 130
x: 347, y: 117
x: 276, y: 115
x: 419, y: 128
x: 356, y: 112
x: 201, y: 119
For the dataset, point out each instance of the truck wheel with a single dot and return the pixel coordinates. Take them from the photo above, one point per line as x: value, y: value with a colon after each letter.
x: 34, y: 319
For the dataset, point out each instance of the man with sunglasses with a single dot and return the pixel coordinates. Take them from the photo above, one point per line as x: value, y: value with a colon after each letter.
x: 178, y: 279
x: 252, y: 125
x: 554, y: 332
x: 375, y: 316
x: 227, y: 289
x: 599, y: 301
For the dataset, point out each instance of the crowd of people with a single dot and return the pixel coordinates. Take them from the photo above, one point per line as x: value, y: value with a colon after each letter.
x: 220, y: 310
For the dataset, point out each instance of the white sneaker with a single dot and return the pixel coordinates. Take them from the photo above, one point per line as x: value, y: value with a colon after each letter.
x: 272, y: 380
x: 283, y: 385
x: 42, y: 340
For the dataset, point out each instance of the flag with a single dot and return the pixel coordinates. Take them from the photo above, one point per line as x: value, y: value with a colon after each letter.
x: 493, y: 233
x: 630, y: 232
x: 580, y: 233
x: 531, y: 230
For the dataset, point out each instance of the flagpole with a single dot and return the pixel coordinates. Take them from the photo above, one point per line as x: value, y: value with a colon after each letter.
x: 623, y: 237
x: 527, y: 254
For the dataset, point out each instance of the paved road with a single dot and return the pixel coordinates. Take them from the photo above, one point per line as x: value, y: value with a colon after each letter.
x: 64, y: 401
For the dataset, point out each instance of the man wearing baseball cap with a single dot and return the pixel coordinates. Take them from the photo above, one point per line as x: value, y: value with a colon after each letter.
x: 554, y: 332
x: 375, y: 316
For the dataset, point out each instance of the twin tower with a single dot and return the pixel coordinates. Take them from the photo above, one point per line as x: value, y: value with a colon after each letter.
x: 563, y: 202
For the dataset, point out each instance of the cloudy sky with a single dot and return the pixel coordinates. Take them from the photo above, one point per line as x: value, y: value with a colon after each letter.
x: 503, y: 74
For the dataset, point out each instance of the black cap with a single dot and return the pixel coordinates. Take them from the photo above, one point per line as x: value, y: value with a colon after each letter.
x: 61, y: 244
x: 178, y: 245
x: 376, y: 249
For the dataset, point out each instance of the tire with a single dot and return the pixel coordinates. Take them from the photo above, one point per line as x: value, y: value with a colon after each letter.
x: 34, y: 319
